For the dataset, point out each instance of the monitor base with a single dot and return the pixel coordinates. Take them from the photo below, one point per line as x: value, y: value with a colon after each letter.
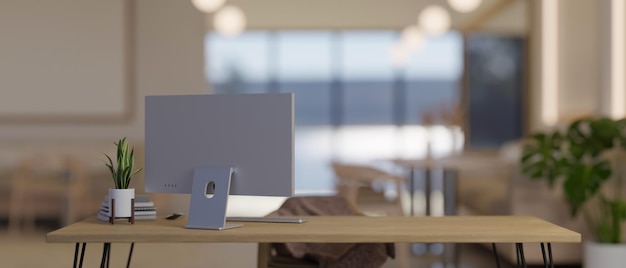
x: 226, y: 226
x: 268, y: 219
x: 209, y: 198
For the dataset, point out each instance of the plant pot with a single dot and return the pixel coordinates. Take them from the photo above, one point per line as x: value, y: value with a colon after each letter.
x: 123, y: 206
x: 604, y: 255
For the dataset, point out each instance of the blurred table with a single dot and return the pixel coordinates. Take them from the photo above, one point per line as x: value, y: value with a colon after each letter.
x: 450, y: 166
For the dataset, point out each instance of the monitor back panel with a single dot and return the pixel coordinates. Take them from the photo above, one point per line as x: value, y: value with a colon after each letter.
x: 251, y: 132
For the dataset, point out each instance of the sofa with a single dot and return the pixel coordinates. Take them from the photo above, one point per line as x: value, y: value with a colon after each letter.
x: 508, y: 192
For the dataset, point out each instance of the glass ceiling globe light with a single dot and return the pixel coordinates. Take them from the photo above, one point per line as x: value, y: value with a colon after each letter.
x: 412, y: 36
x: 208, y: 6
x: 434, y: 20
x: 464, y: 6
x: 229, y: 21
x: 399, y: 55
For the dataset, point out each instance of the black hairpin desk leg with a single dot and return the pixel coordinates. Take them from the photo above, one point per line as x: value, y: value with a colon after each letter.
x: 106, y: 254
x: 76, y: 255
x: 495, y: 254
x: 130, y: 254
x: 521, y: 260
x: 82, y: 255
x: 550, y: 254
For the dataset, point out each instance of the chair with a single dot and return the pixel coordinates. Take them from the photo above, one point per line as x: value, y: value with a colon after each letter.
x: 355, y: 183
x: 304, y: 255
x: 46, y: 186
x: 267, y: 258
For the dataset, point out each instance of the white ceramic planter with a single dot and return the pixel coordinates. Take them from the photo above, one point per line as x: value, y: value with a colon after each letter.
x: 123, y: 197
x: 604, y: 255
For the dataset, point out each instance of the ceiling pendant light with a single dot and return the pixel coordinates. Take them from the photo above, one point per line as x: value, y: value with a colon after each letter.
x: 464, y: 6
x: 208, y: 6
x: 412, y: 37
x: 434, y: 20
x: 229, y: 21
x: 399, y: 55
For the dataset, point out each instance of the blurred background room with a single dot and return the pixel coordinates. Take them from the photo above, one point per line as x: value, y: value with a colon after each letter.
x: 420, y: 89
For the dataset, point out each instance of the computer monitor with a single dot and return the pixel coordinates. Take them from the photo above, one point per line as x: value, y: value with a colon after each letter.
x: 211, y: 146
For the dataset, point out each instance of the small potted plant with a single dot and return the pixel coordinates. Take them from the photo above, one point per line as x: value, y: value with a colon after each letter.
x: 121, y: 198
x: 588, y: 160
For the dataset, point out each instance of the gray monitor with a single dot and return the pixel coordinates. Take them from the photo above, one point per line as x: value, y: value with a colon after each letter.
x: 245, y: 137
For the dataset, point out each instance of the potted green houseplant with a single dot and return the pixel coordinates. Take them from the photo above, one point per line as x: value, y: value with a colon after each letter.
x: 587, y: 160
x: 121, y: 198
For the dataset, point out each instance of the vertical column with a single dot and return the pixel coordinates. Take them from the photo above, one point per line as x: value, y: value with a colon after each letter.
x: 549, y: 62
x: 617, y: 42
x: 580, y: 65
x: 612, y: 94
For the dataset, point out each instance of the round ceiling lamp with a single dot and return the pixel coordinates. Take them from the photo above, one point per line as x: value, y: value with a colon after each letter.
x: 412, y: 37
x: 464, y: 6
x: 434, y: 20
x: 208, y: 6
x: 229, y: 21
x: 399, y: 55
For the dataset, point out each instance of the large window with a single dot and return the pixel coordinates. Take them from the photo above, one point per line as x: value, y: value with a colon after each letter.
x: 352, y: 104
x: 496, y: 83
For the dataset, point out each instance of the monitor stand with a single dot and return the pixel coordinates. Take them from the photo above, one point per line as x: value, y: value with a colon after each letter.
x: 209, y: 198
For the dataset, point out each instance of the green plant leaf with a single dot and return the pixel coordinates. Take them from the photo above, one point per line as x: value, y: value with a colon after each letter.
x: 577, y: 158
x: 125, y: 161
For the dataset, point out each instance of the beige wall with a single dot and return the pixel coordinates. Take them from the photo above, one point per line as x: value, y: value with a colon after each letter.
x: 168, y: 49
x: 168, y: 59
x: 56, y: 52
x: 169, y: 37
x: 584, y: 61
x: 580, y: 61
x: 169, y: 52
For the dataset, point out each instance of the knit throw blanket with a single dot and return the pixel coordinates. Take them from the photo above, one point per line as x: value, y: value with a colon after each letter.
x: 330, y: 255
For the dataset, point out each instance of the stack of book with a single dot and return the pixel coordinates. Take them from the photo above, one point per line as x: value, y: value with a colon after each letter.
x: 144, y: 208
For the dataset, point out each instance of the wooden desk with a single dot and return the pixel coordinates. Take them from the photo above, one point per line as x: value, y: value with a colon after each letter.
x: 335, y: 229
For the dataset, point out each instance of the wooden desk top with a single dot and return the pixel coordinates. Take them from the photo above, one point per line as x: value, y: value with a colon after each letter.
x: 349, y: 229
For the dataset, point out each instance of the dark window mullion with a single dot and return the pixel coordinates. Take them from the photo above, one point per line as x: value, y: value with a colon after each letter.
x: 337, y: 87
x: 273, y: 61
x: 399, y: 95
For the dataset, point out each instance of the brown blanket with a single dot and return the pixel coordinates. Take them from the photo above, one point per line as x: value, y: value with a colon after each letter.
x: 331, y: 255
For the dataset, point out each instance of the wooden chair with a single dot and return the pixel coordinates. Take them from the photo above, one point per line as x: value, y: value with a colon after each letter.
x: 46, y: 187
x: 355, y: 182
